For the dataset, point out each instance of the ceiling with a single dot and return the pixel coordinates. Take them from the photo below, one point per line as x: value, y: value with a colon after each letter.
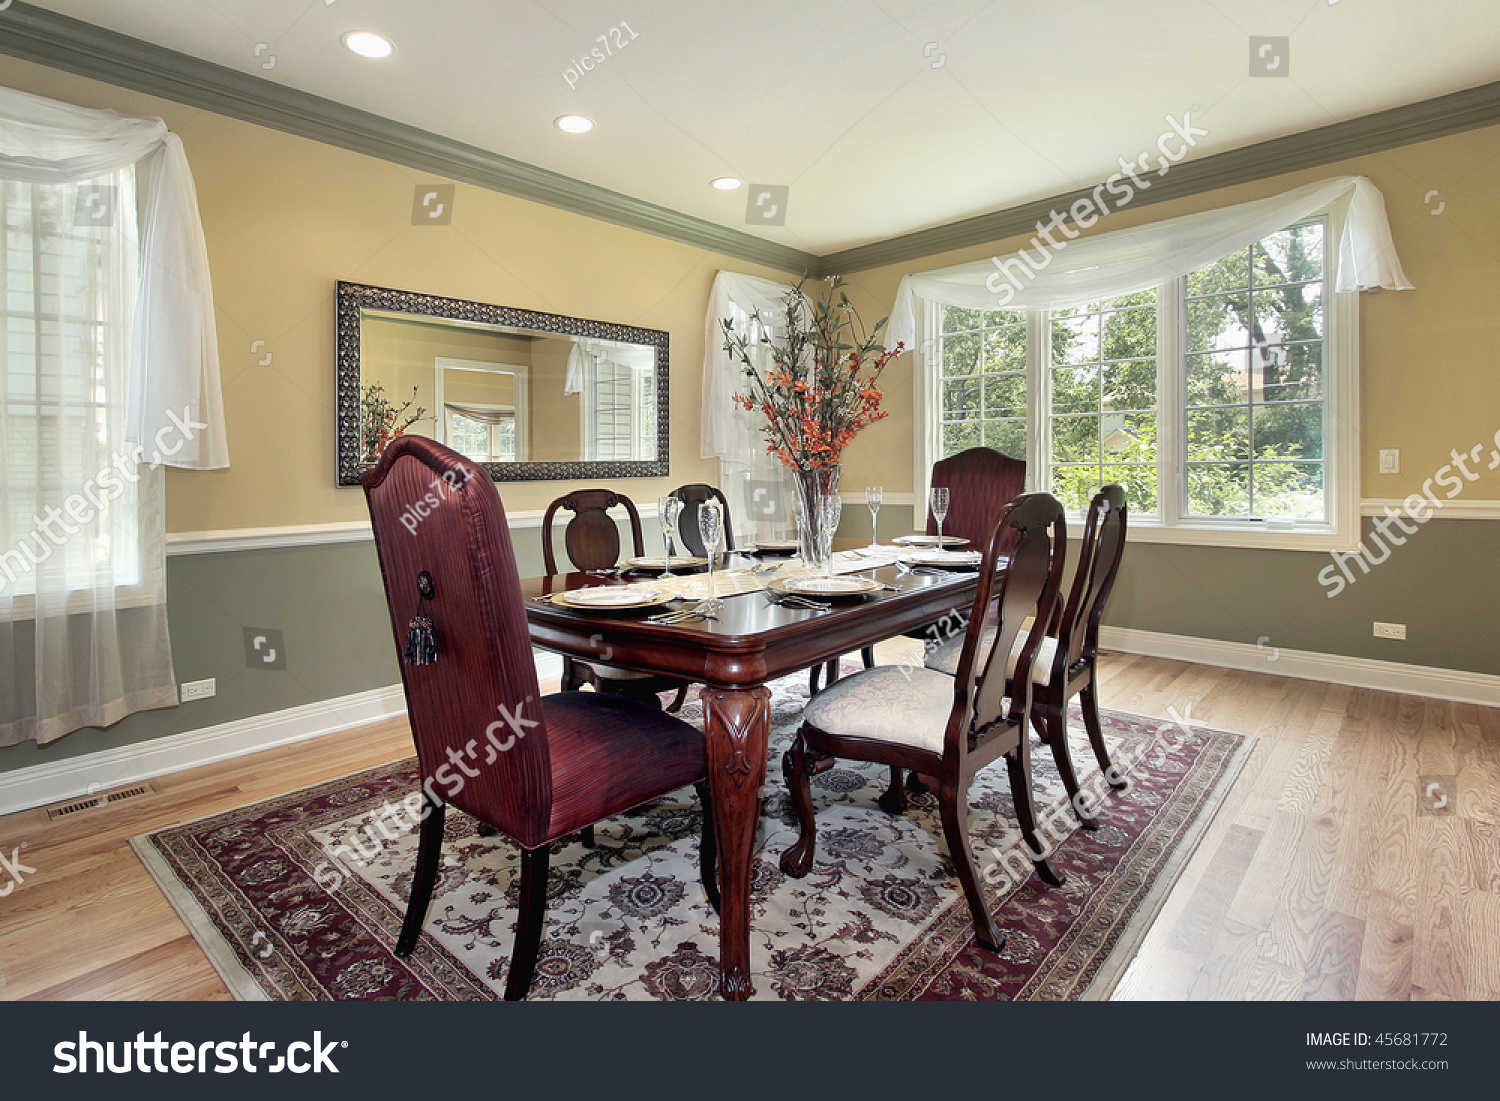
x: 881, y: 118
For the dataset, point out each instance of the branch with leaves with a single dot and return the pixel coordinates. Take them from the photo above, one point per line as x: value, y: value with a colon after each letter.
x: 822, y: 387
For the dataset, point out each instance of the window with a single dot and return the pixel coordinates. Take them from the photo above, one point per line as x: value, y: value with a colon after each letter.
x: 67, y: 328
x: 619, y: 411
x: 1223, y: 402
x: 486, y: 434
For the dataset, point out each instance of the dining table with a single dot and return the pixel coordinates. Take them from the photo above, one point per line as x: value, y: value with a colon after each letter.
x: 750, y: 641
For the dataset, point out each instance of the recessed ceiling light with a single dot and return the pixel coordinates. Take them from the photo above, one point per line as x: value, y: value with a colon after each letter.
x: 368, y: 44
x: 726, y: 183
x: 574, y: 124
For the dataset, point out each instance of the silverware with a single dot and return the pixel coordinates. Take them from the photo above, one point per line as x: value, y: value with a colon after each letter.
x: 792, y: 600
x: 704, y: 609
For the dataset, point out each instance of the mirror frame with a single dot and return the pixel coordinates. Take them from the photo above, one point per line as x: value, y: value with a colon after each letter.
x: 354, y: 298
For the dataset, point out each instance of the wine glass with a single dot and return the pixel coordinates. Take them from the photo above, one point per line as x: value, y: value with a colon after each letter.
x: 669, y: 509
x: 711, y: 527
x: 832, y: 508
x: 940, y: 509
x: 874, y: 497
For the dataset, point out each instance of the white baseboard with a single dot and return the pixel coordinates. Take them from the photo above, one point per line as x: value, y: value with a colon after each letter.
x: 1387, y: 676
x: 39, y: 785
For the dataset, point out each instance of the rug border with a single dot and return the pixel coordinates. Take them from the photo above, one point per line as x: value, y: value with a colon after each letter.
x: 241, y: 983
x: 1113, y: 969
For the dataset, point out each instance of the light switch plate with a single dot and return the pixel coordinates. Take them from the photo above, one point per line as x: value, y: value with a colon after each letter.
x: 196, y: 690
x: 1390, y: 461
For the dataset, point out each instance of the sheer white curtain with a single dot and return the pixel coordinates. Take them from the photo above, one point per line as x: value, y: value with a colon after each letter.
x: 1112, y: 264
x: 110, y: 372
x: 756, y: 484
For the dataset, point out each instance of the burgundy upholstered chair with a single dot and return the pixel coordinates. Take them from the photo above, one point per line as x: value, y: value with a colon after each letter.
x: 1067, y: 660
x: 980, y: 482
x: 536, y: 768
x: 949, y: 728
x: 592, y: 540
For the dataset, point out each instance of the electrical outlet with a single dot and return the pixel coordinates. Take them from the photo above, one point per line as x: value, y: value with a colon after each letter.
x: 1391, y: 630
x: 1390, y: 461
x: 197, y: 690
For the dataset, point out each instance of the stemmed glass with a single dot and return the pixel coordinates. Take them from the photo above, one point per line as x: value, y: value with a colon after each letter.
x: 940, y: 510
x: 669, y: 509
x: 874, y: 497
x: 711, y: 527
x: 833, y: 508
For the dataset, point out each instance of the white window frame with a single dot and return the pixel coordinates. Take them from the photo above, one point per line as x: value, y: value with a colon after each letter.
x: 521, y: 394
x: 1341, y: 439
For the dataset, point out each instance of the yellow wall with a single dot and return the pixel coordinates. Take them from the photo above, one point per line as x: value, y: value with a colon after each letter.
x: 1430, y: 381
x: 557, y: 422
x: 286, y: 217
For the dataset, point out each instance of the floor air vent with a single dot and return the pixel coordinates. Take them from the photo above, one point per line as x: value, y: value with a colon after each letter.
x: 101, y: 799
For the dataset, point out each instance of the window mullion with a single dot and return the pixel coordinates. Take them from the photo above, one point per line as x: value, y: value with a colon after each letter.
x: 1038, y: 400
x: 1171, y: 412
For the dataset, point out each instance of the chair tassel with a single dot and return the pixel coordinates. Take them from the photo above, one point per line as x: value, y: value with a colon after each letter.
x: 421, y: 644
x: 421, y: 639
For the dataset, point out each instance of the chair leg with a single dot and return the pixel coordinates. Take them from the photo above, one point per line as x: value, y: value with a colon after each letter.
x: 529, y: 924
x: 708, y: 847
x: 893, y: 801
x: 955, y: 812
x: 676, y: 705
x: 1088, y: 702
x: 868, y: 653
x: 429, y: 856
x: 812, y: 679
x: 486, y: 830
x: 831, y: 672
x: 571, y: 681
x: 796, y: 767
x: 586, y: 837
x: 1052, y: 724
x: 1018, y: 764
x: 915, y: 785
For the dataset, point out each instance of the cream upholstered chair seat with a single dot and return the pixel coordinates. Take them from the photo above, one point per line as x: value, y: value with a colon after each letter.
x: 945, y: 658
x: 889, y: 703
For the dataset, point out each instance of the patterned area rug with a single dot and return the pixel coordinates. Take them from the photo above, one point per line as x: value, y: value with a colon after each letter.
x: 880, y: 916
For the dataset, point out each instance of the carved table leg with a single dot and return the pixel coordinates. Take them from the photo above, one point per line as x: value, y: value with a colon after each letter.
x: 737, y: 724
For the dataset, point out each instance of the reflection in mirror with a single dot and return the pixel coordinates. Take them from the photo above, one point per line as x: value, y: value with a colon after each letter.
x: 525, y: 399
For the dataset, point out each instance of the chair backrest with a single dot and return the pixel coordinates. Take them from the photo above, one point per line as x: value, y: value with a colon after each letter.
x: 475, y: 713
x: 1098, y: 563
x: 1034, y: 529
x: 592, y: 539
x: 980, y: 482
x: 692, y: 496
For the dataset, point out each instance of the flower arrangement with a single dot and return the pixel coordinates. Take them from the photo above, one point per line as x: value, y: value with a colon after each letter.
x: 382, y: 422
x: 822, y: 387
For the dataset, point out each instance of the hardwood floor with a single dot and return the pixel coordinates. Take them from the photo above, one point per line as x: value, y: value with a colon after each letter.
x: 1331, y: 872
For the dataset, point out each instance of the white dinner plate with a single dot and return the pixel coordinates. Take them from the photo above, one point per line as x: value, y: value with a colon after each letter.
x: 611, y: 598
x: 659, y: 562
x: 836, y: 586
x: 958, y: 560
x: 921, y: 539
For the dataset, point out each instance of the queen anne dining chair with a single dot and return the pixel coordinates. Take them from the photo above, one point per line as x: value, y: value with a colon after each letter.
x: 1067, y: 660
x: 592, y: 540
x: 536, y: 768
x: 948, y: 728
x: 690, y: 536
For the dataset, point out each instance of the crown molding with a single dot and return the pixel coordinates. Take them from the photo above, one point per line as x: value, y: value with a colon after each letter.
x: 44, y: 37
x: 1469, y: 109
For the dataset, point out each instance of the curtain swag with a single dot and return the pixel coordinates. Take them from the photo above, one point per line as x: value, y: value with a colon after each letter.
x: 1056, y: 272
x: 175, y: 407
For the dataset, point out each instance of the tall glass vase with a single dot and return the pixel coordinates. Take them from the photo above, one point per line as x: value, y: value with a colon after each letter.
x: 812, y: 487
